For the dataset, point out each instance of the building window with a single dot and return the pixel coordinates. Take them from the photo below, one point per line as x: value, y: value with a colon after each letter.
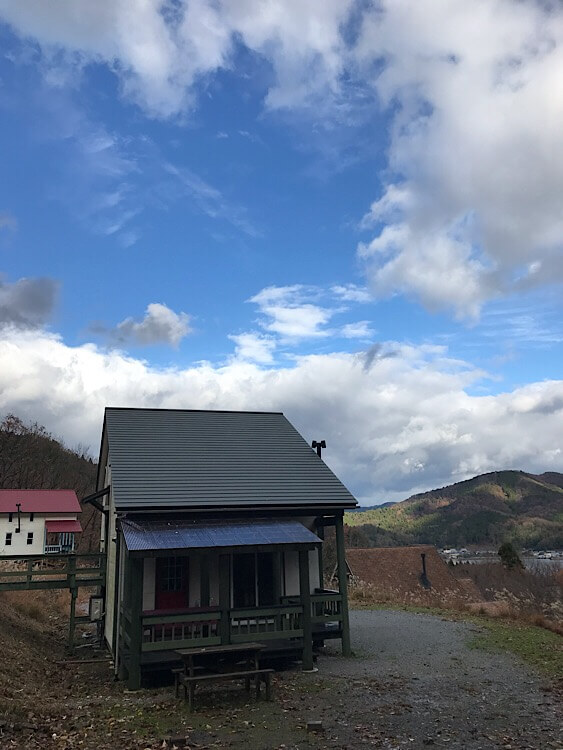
x: 8, y: 538
x: 31, y: 516
x: 10, y: 517
x: 30, y: 537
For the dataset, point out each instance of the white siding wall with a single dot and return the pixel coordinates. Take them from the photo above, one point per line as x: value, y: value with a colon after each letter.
x: 292, y: 572
x: 19, y: 544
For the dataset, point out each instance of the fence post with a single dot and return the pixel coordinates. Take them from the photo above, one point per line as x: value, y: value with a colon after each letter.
x: 71, y: 578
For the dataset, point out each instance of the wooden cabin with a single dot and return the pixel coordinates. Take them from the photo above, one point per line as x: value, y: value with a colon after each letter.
x: 213, y: 527
x: 38, y: 522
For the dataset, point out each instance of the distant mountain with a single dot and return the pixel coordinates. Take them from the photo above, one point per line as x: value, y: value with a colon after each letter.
x: 486, y: 510
x: 365, y: 508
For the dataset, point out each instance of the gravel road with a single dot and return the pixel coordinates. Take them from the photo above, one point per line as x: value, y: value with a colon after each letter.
x: 416, y: 683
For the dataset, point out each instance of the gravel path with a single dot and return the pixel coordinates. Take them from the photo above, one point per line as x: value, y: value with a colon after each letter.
x: 416, y: 683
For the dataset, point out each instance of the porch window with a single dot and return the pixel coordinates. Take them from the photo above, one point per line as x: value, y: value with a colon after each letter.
x: 171, y: 583
x: 253, y: 579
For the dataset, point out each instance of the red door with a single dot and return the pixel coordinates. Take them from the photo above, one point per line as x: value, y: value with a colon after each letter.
x: 171, y: 583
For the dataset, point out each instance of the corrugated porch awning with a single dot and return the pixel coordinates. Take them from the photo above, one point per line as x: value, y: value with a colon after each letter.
x: 63, y: 526
x: 149, y: 536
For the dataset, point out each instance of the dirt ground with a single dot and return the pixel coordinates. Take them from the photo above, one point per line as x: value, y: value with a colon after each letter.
x: 414, y: 682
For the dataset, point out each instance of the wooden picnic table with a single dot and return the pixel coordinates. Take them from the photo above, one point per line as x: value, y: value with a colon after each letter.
x: 248, y: 652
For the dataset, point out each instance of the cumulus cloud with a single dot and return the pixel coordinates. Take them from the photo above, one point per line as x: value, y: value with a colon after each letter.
x: 160, y: 325
x: 159, y: 50
x: 472, y: 206
x: 27, y: 303
x: 403, y: 424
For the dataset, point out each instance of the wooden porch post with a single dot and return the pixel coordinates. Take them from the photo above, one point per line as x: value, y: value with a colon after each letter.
x: 225, y: 598
x: 135, y: 565
x: 305, y: 593
x: 343, y: 585
x: 321, y: 535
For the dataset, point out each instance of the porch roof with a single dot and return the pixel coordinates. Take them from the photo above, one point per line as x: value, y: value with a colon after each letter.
x: 147, y: 535
x: 63, y: 526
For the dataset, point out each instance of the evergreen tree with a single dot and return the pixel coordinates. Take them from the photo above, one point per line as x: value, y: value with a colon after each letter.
x: 509, y: 557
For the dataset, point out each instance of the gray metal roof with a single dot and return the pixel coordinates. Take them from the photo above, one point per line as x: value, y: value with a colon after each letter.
x: 149, y: 536
x: 214, y: 459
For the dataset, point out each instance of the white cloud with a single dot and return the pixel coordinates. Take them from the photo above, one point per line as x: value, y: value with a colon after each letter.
x: 159, y: 50
x: 472, y: 207
x: 288, y: 315
x: 160, y: 325
x: 254, y: 347
x: 351, y: 293
x: 402, y: 424
x: 358, y: 330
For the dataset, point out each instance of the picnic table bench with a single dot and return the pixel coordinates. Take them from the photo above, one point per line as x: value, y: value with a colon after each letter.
x: 190, y: 674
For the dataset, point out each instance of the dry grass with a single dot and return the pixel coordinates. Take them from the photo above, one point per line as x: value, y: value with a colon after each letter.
x: 36, y: 605
x: 528, y: 597
x: 362, y: 594
x: 534, y: 596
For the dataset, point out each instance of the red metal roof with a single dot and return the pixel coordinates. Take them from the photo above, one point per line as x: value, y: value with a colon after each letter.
x: 39, y: 501
x: 63, y: 526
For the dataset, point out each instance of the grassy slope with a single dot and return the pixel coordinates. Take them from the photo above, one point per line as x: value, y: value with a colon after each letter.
x: 484, y: 510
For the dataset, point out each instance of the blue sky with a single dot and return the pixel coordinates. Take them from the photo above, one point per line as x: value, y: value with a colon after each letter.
x: 242, y: 191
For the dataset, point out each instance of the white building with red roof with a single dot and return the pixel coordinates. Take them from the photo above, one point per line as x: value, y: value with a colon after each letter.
x: 36, y: 522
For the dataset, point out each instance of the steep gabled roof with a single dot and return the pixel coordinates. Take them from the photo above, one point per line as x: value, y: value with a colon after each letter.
x: 189, y: 459
x: 39, y: 501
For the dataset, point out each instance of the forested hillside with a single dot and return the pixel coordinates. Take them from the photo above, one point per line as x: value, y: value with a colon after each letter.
x: 486, y: 510
x: 31, y: 458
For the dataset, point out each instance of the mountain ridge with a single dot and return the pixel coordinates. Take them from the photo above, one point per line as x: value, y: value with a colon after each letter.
x: 490, y: 508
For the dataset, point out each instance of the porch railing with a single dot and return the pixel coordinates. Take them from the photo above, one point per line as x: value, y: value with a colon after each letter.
x: 189, y: 630
x: 326, y: 606
x: 162, y: 632
x: 270, y: 623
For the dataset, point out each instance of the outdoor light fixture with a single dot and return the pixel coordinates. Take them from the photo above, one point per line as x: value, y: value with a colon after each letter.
x: 319, y: 445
